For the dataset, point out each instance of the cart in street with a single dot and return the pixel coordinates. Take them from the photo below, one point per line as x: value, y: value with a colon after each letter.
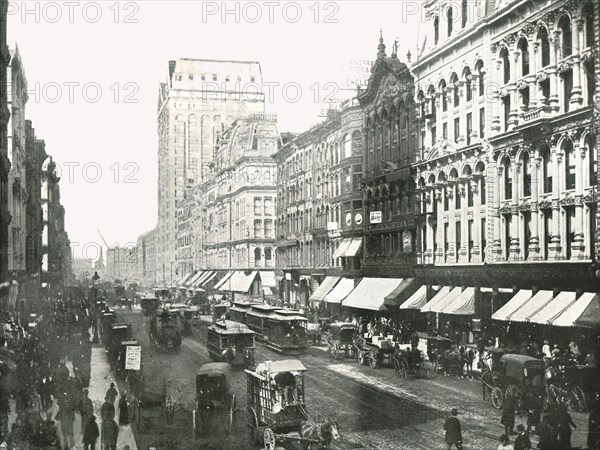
x: 340, y: 339
x: 215, y: 400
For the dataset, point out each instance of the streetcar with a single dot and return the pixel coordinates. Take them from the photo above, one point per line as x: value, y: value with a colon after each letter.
x: 239, y: 309
x: 286, y: 332
x: 220, y: 311
x: 256, y: 318
x: 231, y: 342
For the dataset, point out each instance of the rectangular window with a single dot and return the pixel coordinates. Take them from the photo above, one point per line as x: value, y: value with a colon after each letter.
x: 457, y: 232
x: 507, y: 237
x: 483, y: 239
x: 469, y: 127
x: 257, y: 206
x: 470, y: 238
x: 268, y: 206
x: 482, y: 122
x: 268, y: 229
x: 257, y: 228
x: 445, y: 130
x: 506, y: 108
x: 524, y: 94
x: 568, y: 87
x: 446, y: 237
x: 456, y: 129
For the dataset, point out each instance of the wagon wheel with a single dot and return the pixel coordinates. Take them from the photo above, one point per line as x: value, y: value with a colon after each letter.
x: 554, y: 394
x: 269, y: 438
x: 577, y: 400
x: 497, y: 398
x: 253, y: 425
x: 373, y: 359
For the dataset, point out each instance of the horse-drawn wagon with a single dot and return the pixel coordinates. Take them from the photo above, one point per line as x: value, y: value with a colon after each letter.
x: 276, y: 407
x: 340, y: 338
x: 215, y: 401
x: 165, y: 330
x: 374, y: 351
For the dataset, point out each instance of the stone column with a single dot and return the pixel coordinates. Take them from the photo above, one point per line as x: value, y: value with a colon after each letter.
x: 463, y: 255
x: 439, y: 251
x: 495, y: 127
x: 497, y: 244
x: 462, y: 94
x: 430, y: 237
x: 514, y: 245
x: 450, y: 96
x: 476, y: 189
x: 535, y: 87
x: 576, y: 92
x: 452, y: 250
x: 578, y: 245
x: 554, y: 246
x: 475, y: 108
x: 534, y: 240
x: 554, y: 56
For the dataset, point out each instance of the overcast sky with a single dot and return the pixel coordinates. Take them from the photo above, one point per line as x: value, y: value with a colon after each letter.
x: 93, y: 71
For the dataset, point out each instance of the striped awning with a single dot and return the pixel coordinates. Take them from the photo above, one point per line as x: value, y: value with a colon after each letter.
x: 444, y: 290
x: 529, y: 309
x: 417, y: 300
x: 223, y: 280
x: 324, y: 288
x: 340, y: 291
x: 195, y: 278
x: 438, y: 303
x: 186, y: 278
x: 268, y: 278
x: 239, y: 282
x: 574, y: 312
x: 343, y: 247
x: 210, y: 277
x: 554, y: 308
x: 463, y: 305
x: 590, y: 317
x: 371, y: 293
x: 353, y: 248
x: 519, y: 299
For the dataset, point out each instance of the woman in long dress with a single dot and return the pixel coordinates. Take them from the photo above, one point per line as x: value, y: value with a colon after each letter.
x: 123, y: 411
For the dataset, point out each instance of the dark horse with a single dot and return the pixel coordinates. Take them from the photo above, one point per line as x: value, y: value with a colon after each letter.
x: 318, y: 436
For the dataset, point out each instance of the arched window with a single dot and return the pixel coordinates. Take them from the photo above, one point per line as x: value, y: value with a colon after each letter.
x: 546, y: 169
x: 525, y: 175
x: 481, y: 73
x: 505, y: 65
x: 507, y: 178
x: 257, y: 254
x: 456, y: 90
x: 564, y: 24
x: 569, y: 158
x: 591, y: 161
x: 257, y: 228
x: 443, y: 94
x: 268, y: 254
x: 544, y: 47
x: 436, y: 30
x: 524, y: 49
x: 450, y: 18
x: 588, y: 17
x: 468, y: 87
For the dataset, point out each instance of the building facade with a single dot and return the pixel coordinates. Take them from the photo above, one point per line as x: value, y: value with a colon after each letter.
x: 199, y: 100
x: 146, y: 245
x: 5, y: 216
x: 239, y: 201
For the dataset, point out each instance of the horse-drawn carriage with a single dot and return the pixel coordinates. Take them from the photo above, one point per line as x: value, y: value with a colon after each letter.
x: 413, y: 362
x: 513, y: 375
x: 574, y: 385
x: 165, y: 330
x: 149, y: 304
x: 215, y: 401
x: 340, y: 338
x: 374, y: 351
x: 276, y: 407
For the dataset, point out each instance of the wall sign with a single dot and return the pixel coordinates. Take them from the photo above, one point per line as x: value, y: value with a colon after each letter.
x: 133, y: 357
x: 358, y: 219
x: 375, y: 217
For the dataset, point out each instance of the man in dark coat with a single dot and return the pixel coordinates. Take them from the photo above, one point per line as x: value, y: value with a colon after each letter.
x: 108, y: 410
x: 86, y: 409
x: 565, y: 422
x: 509, y: 407
x: 90, y: 434
x: 522, y: 442
x: 547, y: 434
x: 453, y: 435
x: 110, y: 434
x: 123, y: 410
x: 112, y: 393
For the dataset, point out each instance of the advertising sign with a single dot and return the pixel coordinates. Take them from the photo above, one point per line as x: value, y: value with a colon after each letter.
x: 375, y: 217
x: 133, y: 357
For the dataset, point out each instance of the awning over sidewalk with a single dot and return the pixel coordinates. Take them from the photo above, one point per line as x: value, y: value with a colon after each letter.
x: 443, y: 292
x: 340, y: 291
x: 186, y: 279
x: 417, y: 300
x: 446, y: 301
x: 512, y: 305
x: 554, y: 308
x: 324, y: 288
x: 268, y: 279
x: 195, y: 278
x: 370, y: 293
x: 568, y: 316
x: 401, y: 293
x: 223, y: 280
x: 239, y: 282
x: 208, y: 278
x: 463, y: 305
x: 590, y: 317
x: 201, y: 279
x: 343, y: 247
x: 529, y: 309
x: 353, y: 248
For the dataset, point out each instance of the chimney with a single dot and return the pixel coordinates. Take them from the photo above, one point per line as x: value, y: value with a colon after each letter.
x: 172, y: 65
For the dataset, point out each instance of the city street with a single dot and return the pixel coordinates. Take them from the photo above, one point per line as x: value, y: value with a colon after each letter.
x: 375, y: 408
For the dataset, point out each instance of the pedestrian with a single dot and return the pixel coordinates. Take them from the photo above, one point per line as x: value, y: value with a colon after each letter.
x: 547, y: 434
x: 90, y: 433
x: 110, y: 434
x: 522, y: 442
x: 470, y: 359
x: 505, y: 443
x: 112, y: 393
x: 546, y: 350
x: 108, y: 409
x: 86, y: 409
x: 593, y: 439
x: 508, y: 414
x: 49, y: 435
x: 123, y: 410
x: 453, y: 435
x: 565, y: 422
x: 533, y: 403
x: 67, y: 417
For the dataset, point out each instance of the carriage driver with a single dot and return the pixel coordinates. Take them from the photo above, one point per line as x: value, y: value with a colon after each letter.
x: 286, y: 384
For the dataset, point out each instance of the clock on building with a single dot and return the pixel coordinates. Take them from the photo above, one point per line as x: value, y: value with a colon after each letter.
x: 358, y: 218
x: 349, y: 219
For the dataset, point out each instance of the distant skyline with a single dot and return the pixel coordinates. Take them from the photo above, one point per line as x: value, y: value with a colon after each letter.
x: 94, y: 68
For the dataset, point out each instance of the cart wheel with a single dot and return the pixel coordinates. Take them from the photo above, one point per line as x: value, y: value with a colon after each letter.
x: 253, y: 425
x: 577, y: 400
x: 269, y: 438
x: 373, y: 360
x: 496, y: 396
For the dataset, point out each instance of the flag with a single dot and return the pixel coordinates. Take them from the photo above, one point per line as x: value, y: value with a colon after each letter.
x: 423, y: 47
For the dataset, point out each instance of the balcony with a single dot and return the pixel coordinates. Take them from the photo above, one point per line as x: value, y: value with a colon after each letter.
x: 401, y: 259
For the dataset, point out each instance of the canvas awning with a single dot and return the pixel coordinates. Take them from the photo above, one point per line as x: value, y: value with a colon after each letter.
x: 186, y: 278
x: 193, y: 279
x: 343, y: 247
x: 227, y: 276
x: 568, y: 316
x: 371, y: 293
x: 198, y: 282
x: 442, y: 293
x: 353, y: 248
x: 208, y: 278
x: 590, y: 317
x: 401, y: 293
x: 324, y: 288
x: 512, y: 305
x: 417, y: 300
x: 529, y: 309
x: 554, y: 308
x: 463, y: 305
x: 340, y: 291
x: 267, y: 290
x: 239, y: 282
x: 446, y: 301
x: 268, y: 279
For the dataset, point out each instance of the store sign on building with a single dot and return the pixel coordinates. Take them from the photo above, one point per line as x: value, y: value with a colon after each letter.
x: 375, y: 217
x: 407, y: 242
x: 358, y: 218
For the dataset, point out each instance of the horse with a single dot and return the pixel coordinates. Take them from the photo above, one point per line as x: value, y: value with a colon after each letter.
x: 318, y: 436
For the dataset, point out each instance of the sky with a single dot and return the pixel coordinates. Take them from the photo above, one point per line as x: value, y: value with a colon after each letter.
x: 93, y: 70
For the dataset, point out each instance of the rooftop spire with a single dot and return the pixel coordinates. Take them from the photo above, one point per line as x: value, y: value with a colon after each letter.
x: 381, y: 46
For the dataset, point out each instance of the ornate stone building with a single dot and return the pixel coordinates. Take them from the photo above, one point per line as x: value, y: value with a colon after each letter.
x: 5, y: 216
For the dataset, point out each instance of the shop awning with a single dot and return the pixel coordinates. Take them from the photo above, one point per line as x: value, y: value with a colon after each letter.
x: 195, y: 278
x: 343, y: 247
x: 208, y: 278
x: 201, y: 279
x: 443, y: 292
x: 340, y: 291
x: 463, y: 305
x: 239, y: 282
x: 568, y: 316
x: 401, y: 293
x: 324, y: 288
x: 590, y: 317
x: 370, y: 293
x: 513, y: 304
x: 417, y: 300
x: 554, y: 308
x: 353, y: 248
x: 268, y: 279
x: 446, y: 301
x: 186, y: 278
x: 267, y: 290
x: 529, y: 309
x: 223, y: 280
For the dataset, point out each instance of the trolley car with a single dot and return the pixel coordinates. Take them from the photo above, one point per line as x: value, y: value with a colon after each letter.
x: 256, y: 318
x: 287, y: 332
x: 239, y: 309
x: 231, y: 342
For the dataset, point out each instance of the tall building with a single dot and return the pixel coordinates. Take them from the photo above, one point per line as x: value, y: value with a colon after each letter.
x: 197, y: 102
x: 146, y: 245
x: 5, y: 216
